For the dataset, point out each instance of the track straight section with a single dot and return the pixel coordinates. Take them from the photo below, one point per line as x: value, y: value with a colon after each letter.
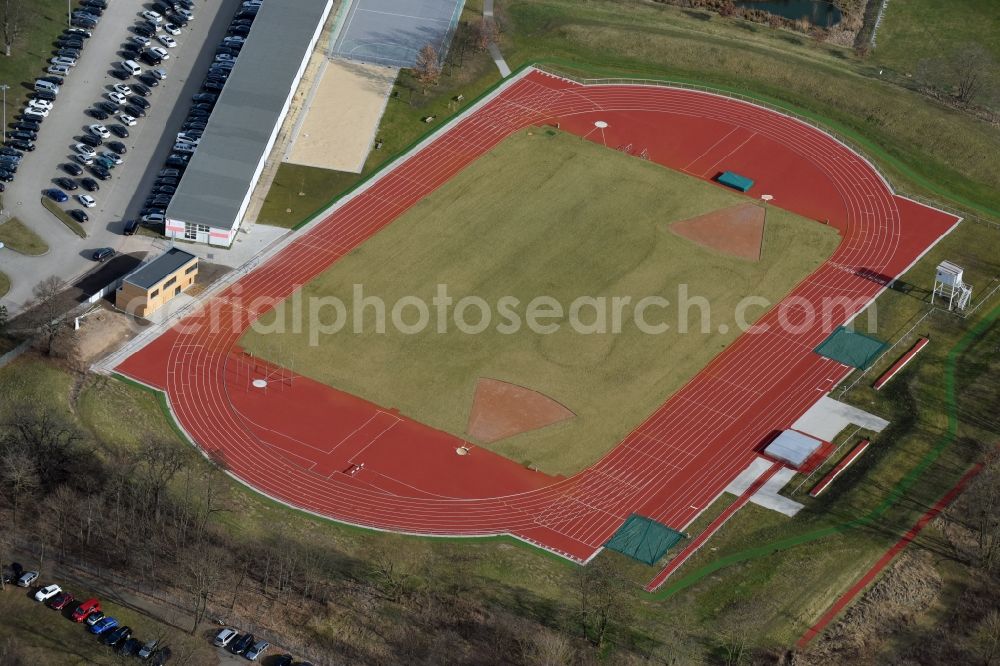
x: 685, y: 453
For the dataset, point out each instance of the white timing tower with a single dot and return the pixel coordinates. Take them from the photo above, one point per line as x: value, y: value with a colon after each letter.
x: 949, y: 286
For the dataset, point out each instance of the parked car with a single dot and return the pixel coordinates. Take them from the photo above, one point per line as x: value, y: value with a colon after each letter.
x: 283, y: 660
x: 72, y: 169
x: 26, y: 146
x: 127, y: 120
x: 142, y: 90
x: 91, y: 140
x: 84, y: 149
x: 131, y: 226
x: 79, y: 215
x: 85, y: 610
x: 98, y: 114
x: 160, y: 53
x: 257, y: 649
x: 103, y: 254
x: 49, y: 591
x: 59, y: 70
x: 89, y: 184
x: 28, y: 578
x: 242, y: 643
x: 117, y: 147
x: 119, y: 130
x: 61, y: 600
x: 130, y: 648
x: 120, y: 74
x: 86, y: 200
x: 171, y: 29
x: 106, y: 623
x: 147, y: 650
x: 59, y: 197
x: 117, y: 636
x: 117, y: 98
x: 167, y: 41
x: 66, y: 183
x: 99, y: 130
x: 134, y: 111
x: 224, y: 637
x: 94, y: 618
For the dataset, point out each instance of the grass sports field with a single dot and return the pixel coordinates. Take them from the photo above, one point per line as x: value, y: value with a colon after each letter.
x: 524, y: 221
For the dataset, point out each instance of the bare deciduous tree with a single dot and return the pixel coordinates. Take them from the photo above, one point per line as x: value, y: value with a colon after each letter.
x: 47, y: 309
x: 486, y: 32
x: 10, y: 22
x: 427, y: 68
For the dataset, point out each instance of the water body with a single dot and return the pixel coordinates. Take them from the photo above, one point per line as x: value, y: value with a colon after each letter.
x: 819, y: 12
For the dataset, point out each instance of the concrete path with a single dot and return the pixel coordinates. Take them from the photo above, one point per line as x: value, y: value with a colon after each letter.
x: 493, y: 48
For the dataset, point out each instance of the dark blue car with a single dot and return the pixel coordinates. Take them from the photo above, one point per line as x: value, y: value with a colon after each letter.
x: 56, y: 195
x: 102, y: 625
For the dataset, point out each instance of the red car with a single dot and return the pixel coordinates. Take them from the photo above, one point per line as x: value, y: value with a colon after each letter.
x: 60, y: 601
x: 86, y: 608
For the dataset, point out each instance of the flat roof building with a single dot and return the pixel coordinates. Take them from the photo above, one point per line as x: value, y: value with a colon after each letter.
x: 150, y: 286
x: 215, y: 190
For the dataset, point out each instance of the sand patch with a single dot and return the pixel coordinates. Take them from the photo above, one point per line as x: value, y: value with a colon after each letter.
x: 736, y: 231
x: 501, y: 409
x: 342, y: 114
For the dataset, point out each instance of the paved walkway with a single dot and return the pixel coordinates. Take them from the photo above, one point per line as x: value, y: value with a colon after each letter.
x: 493, y: 48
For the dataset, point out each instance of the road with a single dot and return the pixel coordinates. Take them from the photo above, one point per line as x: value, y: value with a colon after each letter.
x: 148, y: 146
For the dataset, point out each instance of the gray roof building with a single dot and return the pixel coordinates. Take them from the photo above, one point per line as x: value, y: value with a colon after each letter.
x: 159, y: 268
x: 215, y: 189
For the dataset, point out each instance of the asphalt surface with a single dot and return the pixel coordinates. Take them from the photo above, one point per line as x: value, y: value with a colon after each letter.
x: 149, y: 143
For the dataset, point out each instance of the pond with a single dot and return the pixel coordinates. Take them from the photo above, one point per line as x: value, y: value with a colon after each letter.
x: 818, y: 12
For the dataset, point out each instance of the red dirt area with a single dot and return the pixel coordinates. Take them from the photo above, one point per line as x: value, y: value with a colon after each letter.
x: 736, y: 231
x: 501, y: 409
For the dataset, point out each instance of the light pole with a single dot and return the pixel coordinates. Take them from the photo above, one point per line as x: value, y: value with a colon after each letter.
x: 4, y: 86
x: 69, y: 13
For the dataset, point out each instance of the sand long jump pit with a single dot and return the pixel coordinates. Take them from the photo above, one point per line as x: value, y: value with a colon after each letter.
x: 338, y: 127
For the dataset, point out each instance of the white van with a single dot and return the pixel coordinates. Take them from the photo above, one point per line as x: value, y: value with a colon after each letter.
x: 46, y: 86
x: 132, y: 67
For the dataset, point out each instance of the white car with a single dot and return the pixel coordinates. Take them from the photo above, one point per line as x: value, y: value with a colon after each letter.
x: 99, y: 130
x: 37, y: 110
x: 85, y: 160
x: 123, y: 88
x: 159, y: 73
x: 58, y: 70
x: 42, y: 103
x: 65, y: 62
x: 84, y: 149
x: 86, y: 200
x: 184, y: 147
x: 47, y: 592
x: 139, y: 39
x: 224, y: 57
x: 152, y: 16
x: 117, y: 97
x: 224, y: 637
x: 158, y: 218
x: 127, y: 120
x: 167, y: 41
x: 160, y: 52
x: 171, y: 29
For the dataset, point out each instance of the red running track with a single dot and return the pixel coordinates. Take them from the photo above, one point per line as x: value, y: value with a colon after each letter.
x: 330, y: 453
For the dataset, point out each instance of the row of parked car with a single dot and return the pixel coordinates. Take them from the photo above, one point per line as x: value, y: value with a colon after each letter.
x: 127, y: 102
x: 88, y: 611
x: 23, y: 133
x: 203, y: 103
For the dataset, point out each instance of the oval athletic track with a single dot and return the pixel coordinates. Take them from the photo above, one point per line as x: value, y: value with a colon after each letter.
x: 673, y: 465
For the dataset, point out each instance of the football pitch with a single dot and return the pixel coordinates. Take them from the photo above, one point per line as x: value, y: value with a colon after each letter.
x: 544, y: 214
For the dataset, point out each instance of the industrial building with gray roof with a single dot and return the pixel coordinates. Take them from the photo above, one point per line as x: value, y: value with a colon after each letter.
x: 214, y: 192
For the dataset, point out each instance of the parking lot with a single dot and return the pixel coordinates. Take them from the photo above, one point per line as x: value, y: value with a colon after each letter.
x: 148, y: 144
